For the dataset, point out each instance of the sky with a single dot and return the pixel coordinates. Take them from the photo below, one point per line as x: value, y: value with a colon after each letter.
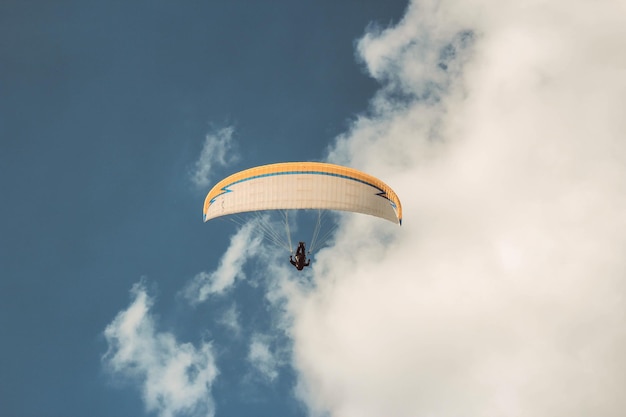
x: 498, y: 123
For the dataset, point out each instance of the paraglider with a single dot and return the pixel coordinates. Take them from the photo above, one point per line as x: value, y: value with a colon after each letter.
x: 301, y: 186
x: 301, y: 260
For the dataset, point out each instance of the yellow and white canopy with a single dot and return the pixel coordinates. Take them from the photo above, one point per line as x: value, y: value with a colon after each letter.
x: 302, y: 185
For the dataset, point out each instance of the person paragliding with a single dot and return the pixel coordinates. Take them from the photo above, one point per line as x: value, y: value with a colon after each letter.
x: 301, y: 261
x: 300, y: 186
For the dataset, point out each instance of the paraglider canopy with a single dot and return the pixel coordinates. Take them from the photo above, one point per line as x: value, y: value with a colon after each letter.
x: 302, y: 185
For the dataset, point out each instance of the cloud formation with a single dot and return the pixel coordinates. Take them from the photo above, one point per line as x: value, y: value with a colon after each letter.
x: 175, y: 377
x: 216, y: 151
x: 243, y: 246
x: 500, y: 126
x: 230, y: 320
x: 261, y: 357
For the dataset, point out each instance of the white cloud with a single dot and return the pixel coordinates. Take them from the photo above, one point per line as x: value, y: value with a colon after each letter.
x: 503, y: 292
x: 175, y: 377
x: 230, y: 320
x: 243, y: 246
x: 216, y: 151
x: 262, y: 358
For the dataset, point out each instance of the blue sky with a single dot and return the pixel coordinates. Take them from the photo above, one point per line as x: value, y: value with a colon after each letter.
x: 498, y: 123
x: 104, y: 111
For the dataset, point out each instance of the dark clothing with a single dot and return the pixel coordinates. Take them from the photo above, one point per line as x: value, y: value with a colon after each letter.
x: 298, y: 263
x: 301, y: 260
